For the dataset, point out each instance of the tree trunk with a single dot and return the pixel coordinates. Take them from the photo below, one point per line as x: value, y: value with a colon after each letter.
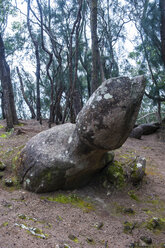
x: 2, y: 105
x: 36, y: 46
x: 9, y: 104
x: 33, y: 115
x: 162, y: 29
x: 95, y: 49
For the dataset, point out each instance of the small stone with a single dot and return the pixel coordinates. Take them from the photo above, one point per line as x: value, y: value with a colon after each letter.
x: 72, y: 237
x: 128, y: 211
x: 9, y: 182
x: 128, y: 227
x: 22, y: 216
x: 155, y: 223
x: 22, y: 198
x: 90, y: 240
x: 66, y: 246
x: 138, y: 170
x: 146, y: 239
x: 99, y: 225
x: 132, y: 245
x: 2, y: 166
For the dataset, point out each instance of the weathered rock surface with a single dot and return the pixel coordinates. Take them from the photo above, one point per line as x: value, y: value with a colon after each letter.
x: 144, y: 129
x: 68, y: 155
x: 138, y: 168
x: 136, y: 133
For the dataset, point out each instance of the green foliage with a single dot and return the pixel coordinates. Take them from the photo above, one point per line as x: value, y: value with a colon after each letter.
x: 5, y: 9
x: 147, y: 52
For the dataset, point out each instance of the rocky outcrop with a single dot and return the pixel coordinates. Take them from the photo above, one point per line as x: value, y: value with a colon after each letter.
x: 68, y: 155
x: 144, y: 129
x: 136, y: 133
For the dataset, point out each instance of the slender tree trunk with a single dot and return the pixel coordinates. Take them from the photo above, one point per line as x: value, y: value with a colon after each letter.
x: 2, y: 105
x: 48, y: 64
x: 95, y: 49
x: 162, y: 29
x: 33, y: 115
x: 36, y: 46
x: 8, y: 95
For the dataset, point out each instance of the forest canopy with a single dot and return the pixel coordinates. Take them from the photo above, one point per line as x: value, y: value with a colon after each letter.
x: 54, y: 54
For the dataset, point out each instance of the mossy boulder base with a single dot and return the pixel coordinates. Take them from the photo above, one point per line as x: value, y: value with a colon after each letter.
x: 67, y: 156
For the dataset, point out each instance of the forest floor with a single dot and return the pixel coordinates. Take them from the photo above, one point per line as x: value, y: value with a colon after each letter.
x: 92, y: 216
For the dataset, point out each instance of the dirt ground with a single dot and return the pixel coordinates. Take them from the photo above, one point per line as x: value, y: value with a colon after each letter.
x: 97, y: 217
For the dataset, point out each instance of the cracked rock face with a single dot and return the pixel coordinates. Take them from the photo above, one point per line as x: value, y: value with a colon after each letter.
x: 67, y: 156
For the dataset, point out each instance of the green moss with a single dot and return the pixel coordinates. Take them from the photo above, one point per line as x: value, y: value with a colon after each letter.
x: 3, y: 135
x: 133, y: 196
x: 2, y: 166
x: 1, y: 126
x: 1, y: 175
x: 22, y: 216
x: 128, y: 227
x: 20, y: 125
x: 15, y: 185
x: 7, y: 134
x: 59, y: 218
x: 14, y: 160
x: 73, y: 238
x: 71, y: 199
x: 5, y: 224
x: 156, y: 224
x: 115, y: 174
x: 149, y: 212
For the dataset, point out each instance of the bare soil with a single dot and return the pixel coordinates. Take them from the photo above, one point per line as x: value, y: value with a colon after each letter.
x: 98, y: 221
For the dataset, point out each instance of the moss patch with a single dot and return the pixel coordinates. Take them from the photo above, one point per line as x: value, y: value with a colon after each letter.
x: 133, y: 196
x: 71, y: 199
x: 7, y: 134
x: 73, y: 238
x: 14, y: 186
x: 5, y: 224
x: 115, y: 174
x: 156, y: 224
x: 129, y: 226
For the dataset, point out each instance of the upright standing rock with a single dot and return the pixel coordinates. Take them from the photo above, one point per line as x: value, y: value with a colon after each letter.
x: 68, y: 155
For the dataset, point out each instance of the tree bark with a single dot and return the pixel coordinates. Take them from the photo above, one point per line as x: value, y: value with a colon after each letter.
x: 9, y: 104
x: 2, y: 105
x: 95, y: 49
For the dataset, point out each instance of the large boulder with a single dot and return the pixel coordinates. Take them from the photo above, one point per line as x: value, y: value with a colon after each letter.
x: 68, y: 155
x: 144, y: 129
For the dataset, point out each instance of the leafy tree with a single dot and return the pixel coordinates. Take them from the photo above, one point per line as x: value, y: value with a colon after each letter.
x: 146, y: 16
x: 8, y: 103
